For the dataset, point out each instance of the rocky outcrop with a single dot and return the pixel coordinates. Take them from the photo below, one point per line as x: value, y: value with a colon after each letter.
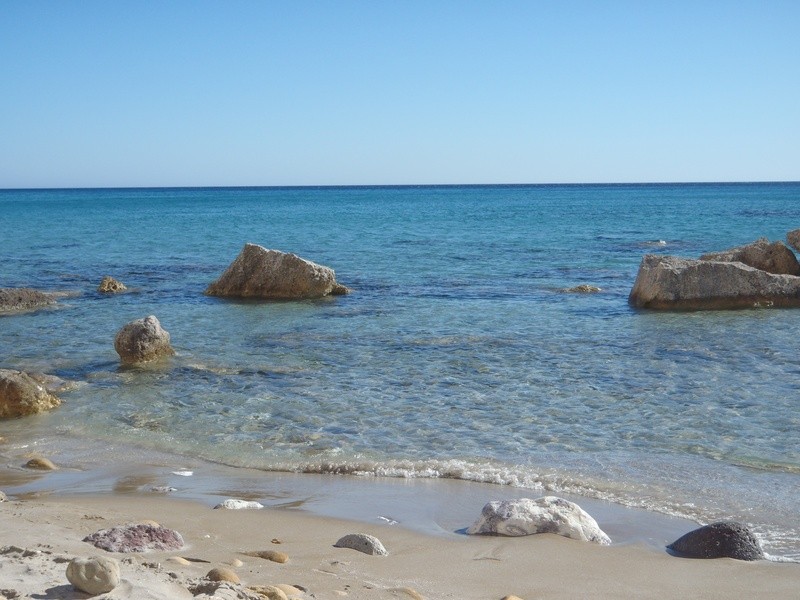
x: 793, y: 237
x: 670, y: 282
x: 549, y: 514
x: 21, y: 299
x: 21, y: 395
x: 726, y: 539
x: 270, y: 274
x: 773, y: 258
x: 93, y: 575
x: 138, y: 537
x: 109, y: 285
x: 142, y: 341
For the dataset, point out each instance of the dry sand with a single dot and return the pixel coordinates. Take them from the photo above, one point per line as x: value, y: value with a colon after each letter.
x: 46, y: 533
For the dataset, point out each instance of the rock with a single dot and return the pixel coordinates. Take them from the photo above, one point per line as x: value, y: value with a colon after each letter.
x: 94, y: 575
x: 673, y: 283
x: 549, y: 514
x: 271, y: 274
x: 273, y: 555
x: 179, y: 560
x: 221, y: 590
x: 793, y: 237
x: 236, y: 563
x: 53, y: 384
x: 773, y: 258
x: 137, y: 537
x: 407, y: 592
x: 511, y: 597
x: 270, y: 592
x: 3, y: 497
x: 41, y: 463
x: 719, y: 540
x: 222, y: 574
x: 21, y: 395
x: 142, y: 340
x: 21, y: 299
x: 234, y: 504
x: 289, y: 590
x: 582, y: 289
x: 362, y: 542
x: 109, y: 285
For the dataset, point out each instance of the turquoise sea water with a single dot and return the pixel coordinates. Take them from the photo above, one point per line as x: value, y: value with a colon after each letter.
x: 457, y: 355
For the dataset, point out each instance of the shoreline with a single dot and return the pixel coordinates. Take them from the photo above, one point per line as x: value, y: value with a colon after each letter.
x: 49, y: 531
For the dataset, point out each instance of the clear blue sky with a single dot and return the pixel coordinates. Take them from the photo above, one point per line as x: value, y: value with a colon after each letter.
x: 397, y: 92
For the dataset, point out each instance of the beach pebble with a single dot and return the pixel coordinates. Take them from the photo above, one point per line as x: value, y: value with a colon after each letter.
x: 289, y: 590
x: 407, y: 592
x: 236, y: 563
x: 3, y: 497
x: 222, y: 574
x: 179, y: 559
x: 549, y: 514
x: 136, y: 537
x: 94, y: 575
x: 270, y: 592
x: 362, y: 542
x: 41, y: 463
x: 236, y: 504
x: 726, y: 539
x: 273, y: 555
x: 511, y: 597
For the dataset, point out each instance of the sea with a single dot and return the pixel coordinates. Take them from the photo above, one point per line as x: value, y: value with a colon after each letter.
x: 462, y: 356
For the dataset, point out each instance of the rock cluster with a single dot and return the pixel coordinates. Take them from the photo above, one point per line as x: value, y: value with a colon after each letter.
x: 270, y: 274
x: 21, y: 395
x: 550, y: 514
x: 143, y: 340
x: 725, y: 539
x: 756, y: 275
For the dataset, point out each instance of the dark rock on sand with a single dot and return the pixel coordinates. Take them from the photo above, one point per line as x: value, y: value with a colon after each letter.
x: 726, y: 539
x: 673, y: 283
x: 138, y: 537
x: 368, y: 544
x: 109, y: 285
x: 21, y: 395
x: 773, y: 258
x: 142, y: 340
x: 270, y: 274
x: 20, y: 299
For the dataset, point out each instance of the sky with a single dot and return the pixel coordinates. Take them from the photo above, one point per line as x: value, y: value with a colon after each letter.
x: 337, y: 92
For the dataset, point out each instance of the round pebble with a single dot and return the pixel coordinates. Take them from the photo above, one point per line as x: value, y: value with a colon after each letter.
x: 94, y: 575
x: 222, y: 574
x: 41, y: 463
x: 271, y: 592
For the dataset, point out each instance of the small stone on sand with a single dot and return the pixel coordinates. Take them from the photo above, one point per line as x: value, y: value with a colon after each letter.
x: 273, y: 555
x: 368, y: 544
x: 179, y: 559
x: 94, y: 575
x: 41, y: 463
x: 270, y: 592
x: 222, y: 574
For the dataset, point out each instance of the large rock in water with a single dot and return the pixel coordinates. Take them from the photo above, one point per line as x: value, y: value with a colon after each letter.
x: 773, y: 258
x: 271, y: 274
x: 21, y: 395
x: 549, y: 514
x: 726, y: 539
x: 670, y: 282
x: 142, y: 340
x: 20, y: 299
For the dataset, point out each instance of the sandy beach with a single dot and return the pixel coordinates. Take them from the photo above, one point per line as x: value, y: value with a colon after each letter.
x: 41, y: 534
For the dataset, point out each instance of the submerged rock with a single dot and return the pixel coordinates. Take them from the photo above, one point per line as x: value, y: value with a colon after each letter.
x: 236, y: 504
x: 524, y: 516
x: 138, y: 537
x: 725, y: 539
x: 109, y: 285
x: 21, y: 395
x: 21, y: 299
x: 270, y: 274
x: 584, y: 288
x: 41, y: 463
x: 368, y: 544
x: 94, y: 575
x: 773, y: 258
x: 142, y: 340
x: 670, y: 282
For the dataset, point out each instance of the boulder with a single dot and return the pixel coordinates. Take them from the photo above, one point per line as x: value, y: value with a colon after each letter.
x: 236, y: 504
x: 549, y: 514
x: 19, y: 299
x: 271, y: 274
x: 136, y: 537
x: 142, y: 340
x: 725, y: 539
x: 773, y: 258
x: 793, y: 237
x: 363, y: 542
x: 21, y: 395
x: 670, y: 282
x: 109, y: 285
x: 94, y: 575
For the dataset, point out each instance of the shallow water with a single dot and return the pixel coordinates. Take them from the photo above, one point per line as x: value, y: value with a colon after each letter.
x: 457, y: 356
